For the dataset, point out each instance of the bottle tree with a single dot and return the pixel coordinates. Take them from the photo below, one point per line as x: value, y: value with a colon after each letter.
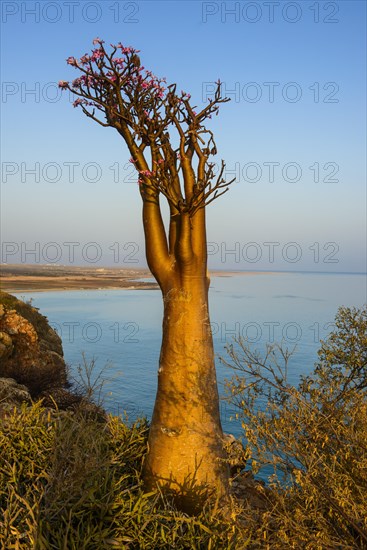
x: 170, y: 147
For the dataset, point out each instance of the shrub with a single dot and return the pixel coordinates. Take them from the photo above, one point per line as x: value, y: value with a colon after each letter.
x: 313, y: 437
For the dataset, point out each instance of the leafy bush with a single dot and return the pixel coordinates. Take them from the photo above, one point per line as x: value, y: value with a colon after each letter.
x: 314, y: 437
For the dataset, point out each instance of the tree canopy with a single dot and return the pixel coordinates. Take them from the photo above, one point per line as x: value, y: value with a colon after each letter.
x: 115, y: 90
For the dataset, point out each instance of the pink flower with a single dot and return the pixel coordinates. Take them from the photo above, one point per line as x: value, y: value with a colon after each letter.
x: 63, y: 84
x: 119, y: 61
x: 77, y: 82
x: 72, y: 61
x: 84, y: 59
x: 98, y: 41
x: 132, y: 160
x: 90, y: 80
x: 146, y: 173
x: 79, y: 101
x: 160, y: 161
x: 97, y: 54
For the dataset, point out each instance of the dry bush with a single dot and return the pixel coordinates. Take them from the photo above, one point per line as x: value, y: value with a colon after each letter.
x: 313, y: 437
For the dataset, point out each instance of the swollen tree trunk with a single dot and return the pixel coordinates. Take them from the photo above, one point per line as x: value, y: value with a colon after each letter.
x: 185, y: 448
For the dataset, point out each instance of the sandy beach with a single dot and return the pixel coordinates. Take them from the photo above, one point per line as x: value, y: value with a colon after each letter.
x: 40, y: 278
x: 25, y: 278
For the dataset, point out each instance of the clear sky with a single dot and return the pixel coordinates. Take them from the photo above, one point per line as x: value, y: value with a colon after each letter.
x: 294, y: 133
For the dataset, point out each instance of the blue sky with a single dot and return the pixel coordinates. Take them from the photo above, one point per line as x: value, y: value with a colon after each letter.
x: 293, y: 134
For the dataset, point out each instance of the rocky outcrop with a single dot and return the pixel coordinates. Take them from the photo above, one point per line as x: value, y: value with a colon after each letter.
x: 30, y: 350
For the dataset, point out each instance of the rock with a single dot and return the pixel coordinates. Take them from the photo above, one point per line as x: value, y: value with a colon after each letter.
x: 12, y: 395
x: 6, y: 345
x: 236, y: 454
x: 229, y: 438
x: 250, y: 491
x: 30, y: 350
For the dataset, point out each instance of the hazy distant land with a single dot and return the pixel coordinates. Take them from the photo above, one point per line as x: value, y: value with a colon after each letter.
x: 24, y: 278
x: 16, y: 278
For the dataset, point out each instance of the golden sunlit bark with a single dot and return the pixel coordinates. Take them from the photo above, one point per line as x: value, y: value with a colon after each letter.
x: 185, y: 447
x: 156, y: 247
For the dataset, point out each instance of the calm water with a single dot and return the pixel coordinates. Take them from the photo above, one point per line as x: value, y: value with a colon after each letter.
x: 123, y: 327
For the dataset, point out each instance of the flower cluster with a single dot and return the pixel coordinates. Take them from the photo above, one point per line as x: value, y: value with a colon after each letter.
x: 84, y: 80
x: 149, y: 83
x: 80, y: 101
x: 97, y: 54
x: 146, y: 173
x: 119, y: 62
x: 124, y: 50
x: 121, y: 68
x: 85, y: 59
x: 72, y: 61
x: 149, y: 173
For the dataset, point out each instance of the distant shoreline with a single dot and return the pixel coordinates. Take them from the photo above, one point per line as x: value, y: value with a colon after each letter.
x: 45, y: 278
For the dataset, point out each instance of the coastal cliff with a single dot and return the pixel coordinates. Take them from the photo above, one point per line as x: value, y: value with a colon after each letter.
x: 31, y: 355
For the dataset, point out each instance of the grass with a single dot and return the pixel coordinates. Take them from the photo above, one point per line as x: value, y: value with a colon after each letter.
x: 71, y: 481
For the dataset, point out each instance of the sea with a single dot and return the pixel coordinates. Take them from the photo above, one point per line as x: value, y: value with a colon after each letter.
x: 119, y: 331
